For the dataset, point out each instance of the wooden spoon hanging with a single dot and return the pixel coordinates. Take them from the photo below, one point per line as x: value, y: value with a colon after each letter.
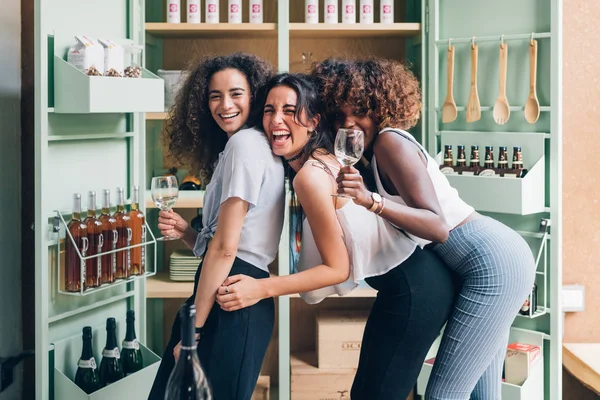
x: 473, y: 106
x: 532, y: 106
x: 501, y: 108
x: 449, y: 111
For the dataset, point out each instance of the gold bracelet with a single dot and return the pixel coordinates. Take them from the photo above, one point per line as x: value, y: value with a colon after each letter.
x: 382, y: 207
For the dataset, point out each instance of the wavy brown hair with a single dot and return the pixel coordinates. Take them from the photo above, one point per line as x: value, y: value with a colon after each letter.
x: 385, y: 89
x: 192, y: 135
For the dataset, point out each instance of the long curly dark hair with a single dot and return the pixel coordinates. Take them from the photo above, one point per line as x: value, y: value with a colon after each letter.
x: 385, y: 89
x: 192, y: 135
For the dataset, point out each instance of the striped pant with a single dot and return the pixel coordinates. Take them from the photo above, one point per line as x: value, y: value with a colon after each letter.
x: 497, y: 270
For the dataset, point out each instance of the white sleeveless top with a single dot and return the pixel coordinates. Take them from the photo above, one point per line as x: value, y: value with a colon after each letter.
x: 454, y: 208
x: 374, y: 248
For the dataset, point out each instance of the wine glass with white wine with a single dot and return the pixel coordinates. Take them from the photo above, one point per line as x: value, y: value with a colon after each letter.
x: 348, y: 148
x: 165, y: 191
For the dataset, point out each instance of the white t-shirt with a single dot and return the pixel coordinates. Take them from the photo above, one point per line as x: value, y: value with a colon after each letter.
x: 454, y: 208
x: 247, y: 169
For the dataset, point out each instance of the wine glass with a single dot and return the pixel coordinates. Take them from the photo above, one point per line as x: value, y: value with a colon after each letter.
x: 165, y: 191
x: 348, y: 148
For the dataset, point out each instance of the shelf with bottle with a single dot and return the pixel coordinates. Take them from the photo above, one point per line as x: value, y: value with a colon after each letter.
x: 399, y: 29
x: 87, y: 268
x: 127, y: 369
x: 203, y: 30
x: 81, y: 87
x: 492, y: 189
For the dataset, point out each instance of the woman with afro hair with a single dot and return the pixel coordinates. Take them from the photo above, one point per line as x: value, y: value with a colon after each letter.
x: 493, y: 263
x: 242, y: 218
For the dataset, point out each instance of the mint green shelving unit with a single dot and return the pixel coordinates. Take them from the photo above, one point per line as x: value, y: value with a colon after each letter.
x: 89, y: 135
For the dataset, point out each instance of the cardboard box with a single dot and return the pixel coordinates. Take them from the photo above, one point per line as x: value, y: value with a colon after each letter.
x: 311, y: 383
x: 339, y: 338
x: 520, y: 359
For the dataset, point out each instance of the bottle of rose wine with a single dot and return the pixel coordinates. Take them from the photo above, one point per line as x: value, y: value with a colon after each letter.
x: 110, y: 366
x: 86, y: 376
x: 188, y: 381
x: 138, y: 235
x: 93, y: 266
x: 109, y: 232
x: 75, y: 266
x: 124, y: 237
x: 131, y: 355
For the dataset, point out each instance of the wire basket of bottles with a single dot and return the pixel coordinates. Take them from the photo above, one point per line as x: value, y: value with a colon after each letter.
x: 119, y: 369
x: 104, y: 251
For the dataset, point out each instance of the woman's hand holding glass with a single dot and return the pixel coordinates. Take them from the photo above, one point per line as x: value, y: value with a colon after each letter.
x: 165, y: 191
x: 240, y: 291
x: 350, y: 184
x: 172, y: 225
x: 349, y: 146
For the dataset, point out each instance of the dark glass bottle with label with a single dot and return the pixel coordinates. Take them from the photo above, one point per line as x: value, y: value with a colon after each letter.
x: 86, y: 376
x: 124, y: 237
x: 502, y: 161
x: 138, y: 235
x: 93, y: 266
x: 109, y: 231
x: 517, y: 170
x: 488, y: 162
x: 188, y: 381
x: 110, y: 366
x: 447, y: 168
x: 461, y: 159
x: 75, y: 266
x: 531, y: 304
x: 474, y: 166
x: 131, y: 355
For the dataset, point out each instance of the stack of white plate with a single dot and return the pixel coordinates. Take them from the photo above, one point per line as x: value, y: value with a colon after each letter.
x: 183, y: 265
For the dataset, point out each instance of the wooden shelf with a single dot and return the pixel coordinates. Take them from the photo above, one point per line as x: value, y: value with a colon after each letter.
x: 186, y: 199
x: 403, y: 29
x: 582, y: 360
x: 160, y: 286
x: 156, y: 116
x: 224, y: 30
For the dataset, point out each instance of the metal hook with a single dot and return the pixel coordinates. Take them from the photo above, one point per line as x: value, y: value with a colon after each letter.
x: 502, y: 40
x: 473, y: 42
x: 531, y: 39
x: 449, y: 44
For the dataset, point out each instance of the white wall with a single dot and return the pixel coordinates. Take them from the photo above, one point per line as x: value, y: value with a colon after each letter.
x: 10, y: 188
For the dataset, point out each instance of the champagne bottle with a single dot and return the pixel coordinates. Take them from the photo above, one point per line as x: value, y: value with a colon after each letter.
x: 110, y: 366
x: 187, y: 381
x: 131, y: 355
x: 138, y: 235
x: 109, y: 232
x: 86, y: 376
x: 93, y: 266
x: 75, y: 266
x: 124, y: 237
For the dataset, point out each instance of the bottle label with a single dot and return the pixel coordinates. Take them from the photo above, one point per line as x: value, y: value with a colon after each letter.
x: 91, y: 363
x: 134, y: 344
x: 487, y: 172
x: 509, y: 175
x: 114, y: 255
x: 447, y: 171
x: 128, y: 261
x: 114, y: 353
x: 143, y: 262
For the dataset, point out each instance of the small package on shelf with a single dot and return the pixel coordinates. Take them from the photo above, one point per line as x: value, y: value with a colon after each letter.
x: 133, y: 61
x: 87, y: 55
x: 114, y: 58
x: 520, y: 359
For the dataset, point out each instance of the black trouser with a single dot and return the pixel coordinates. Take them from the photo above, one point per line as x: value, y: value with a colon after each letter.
x: 233, y: 344
x: 413, y: 302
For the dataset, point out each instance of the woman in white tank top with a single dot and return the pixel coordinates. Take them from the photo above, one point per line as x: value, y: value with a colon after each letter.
x: 494, y: 264
x: 342, y: 244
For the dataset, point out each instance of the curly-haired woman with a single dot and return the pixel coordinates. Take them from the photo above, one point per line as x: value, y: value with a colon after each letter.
x: 342, y: 244
x: 242, y: 218
x: 494, y: 264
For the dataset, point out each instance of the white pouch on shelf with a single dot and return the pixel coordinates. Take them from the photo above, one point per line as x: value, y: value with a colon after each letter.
x: 87, y: 55
x: 114, y: 58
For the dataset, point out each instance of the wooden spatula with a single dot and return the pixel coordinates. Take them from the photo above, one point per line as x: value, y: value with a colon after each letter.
x: 473, y: 106
x: 449, y: 111
x: 532, y: 106
x: 501, y: 108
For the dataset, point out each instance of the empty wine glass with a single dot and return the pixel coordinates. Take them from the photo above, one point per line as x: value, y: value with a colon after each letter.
x: 165, y: 190
x: 348, y: 148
